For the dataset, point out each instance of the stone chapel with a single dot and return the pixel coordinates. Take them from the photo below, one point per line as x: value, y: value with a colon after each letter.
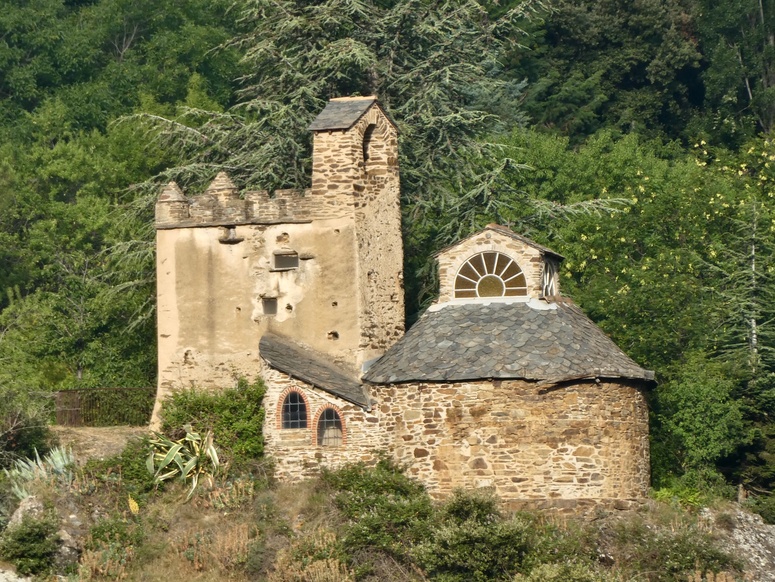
x: 502, y: 383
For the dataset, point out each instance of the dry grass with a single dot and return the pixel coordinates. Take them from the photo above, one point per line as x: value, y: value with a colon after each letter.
x: 307, y: 560
x: 225, y: 548
x: 106, y: 563
x: 720, y: 577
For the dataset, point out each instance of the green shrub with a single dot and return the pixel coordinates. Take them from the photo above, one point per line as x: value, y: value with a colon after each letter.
x: 764, y: 505
x: 472, y: 542
x: 385, y: 509
x: 478, y: 552
x: 471, y: 539
x: 471, y: 506
x: 115, y: 531
x: 235, y: 415
x: 22, y: 433
x: 31, y: 545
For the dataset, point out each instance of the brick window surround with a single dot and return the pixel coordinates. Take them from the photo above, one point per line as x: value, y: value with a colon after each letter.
x: 281, y: 405
x: 319, y: 417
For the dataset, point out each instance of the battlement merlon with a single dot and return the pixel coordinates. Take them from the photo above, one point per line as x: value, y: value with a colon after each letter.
x: 342, y: 142
x: 226, y: 207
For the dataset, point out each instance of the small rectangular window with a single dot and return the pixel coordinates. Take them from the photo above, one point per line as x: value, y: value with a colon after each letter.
x: 269, y: 305
x: 286, y: 260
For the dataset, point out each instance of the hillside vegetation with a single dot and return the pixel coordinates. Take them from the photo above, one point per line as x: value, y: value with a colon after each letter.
x: 356, y: 523
x: 636, y: 139
x: 221, y: 516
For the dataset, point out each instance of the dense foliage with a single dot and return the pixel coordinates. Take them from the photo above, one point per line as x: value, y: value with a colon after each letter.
x: 634, y: 138
x: 234, y: 415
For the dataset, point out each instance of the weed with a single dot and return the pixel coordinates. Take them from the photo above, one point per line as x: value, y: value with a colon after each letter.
x: 109, y: 561
x: 684, y: 496
x: 726, y: 521
x: 311, y: 558
x: 225, y: 549
x: 566, y: 572
x: 125, y: 473
x: 115, y: 530
x: 231, y: 494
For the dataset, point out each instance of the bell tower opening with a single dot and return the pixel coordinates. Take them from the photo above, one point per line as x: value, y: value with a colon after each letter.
x: 367, y: 136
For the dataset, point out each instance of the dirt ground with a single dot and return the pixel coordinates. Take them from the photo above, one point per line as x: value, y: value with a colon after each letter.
x: 96, y: 442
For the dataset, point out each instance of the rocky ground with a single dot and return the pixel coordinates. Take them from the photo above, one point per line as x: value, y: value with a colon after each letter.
x: 87, y: 443
x: 746, y: 536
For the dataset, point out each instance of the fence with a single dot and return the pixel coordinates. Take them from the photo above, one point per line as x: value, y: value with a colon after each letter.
x: 104, y: 406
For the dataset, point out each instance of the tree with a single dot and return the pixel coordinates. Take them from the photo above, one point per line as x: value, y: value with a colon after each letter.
x: 738, y: 39
x: 430, y: 63
x: 69, y: 69
x: 434, y: 65
x: 613, y: 64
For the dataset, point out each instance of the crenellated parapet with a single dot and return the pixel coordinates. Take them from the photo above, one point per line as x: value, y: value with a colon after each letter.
x: 222, y: 204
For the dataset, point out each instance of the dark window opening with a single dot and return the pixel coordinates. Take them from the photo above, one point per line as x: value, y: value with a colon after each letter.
x: 269, y: 305
x: 286, y: 260
x: 367, y: 135
x: 294, y: 411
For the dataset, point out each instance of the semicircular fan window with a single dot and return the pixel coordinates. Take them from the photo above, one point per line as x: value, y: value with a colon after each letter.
x: 490, y: 274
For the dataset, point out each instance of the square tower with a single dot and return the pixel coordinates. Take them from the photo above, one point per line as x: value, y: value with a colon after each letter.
x: 323, y: 267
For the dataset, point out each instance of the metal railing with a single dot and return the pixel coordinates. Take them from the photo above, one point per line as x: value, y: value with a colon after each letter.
x: 104, y: 406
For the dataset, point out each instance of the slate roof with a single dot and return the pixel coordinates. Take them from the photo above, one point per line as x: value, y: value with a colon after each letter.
x: 547, y: 342
x: 343, y: 113
x: 309, y: 366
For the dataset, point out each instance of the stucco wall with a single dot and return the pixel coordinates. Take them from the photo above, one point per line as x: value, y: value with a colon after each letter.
x: 345, y: 299
x: 211, y: 310
x: 586, y: 441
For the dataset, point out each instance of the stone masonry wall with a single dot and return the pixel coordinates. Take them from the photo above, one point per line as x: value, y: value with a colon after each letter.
x: 378, y: 228
x: 295, y: 450
x: 584, y: 441
x: 582, y: 444
x: 528, y: 258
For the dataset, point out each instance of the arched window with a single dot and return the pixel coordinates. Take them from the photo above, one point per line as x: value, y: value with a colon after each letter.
x: 330, y: 429
x: 490, y: 274
x: 294, y: 411
x: 367, y: 135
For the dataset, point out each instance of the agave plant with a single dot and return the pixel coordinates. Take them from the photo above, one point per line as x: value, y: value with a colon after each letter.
x: 55, y: 467
x: 189, y: 459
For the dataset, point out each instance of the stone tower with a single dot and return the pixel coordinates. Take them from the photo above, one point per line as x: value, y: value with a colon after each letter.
x: 321, y: 267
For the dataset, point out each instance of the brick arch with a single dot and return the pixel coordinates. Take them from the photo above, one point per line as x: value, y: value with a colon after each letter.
x: 319, y: 413
x: 281, y: 401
